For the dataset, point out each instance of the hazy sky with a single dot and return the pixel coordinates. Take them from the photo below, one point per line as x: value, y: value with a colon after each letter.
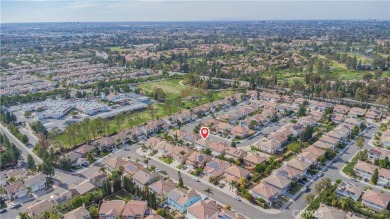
x: 183, y: 10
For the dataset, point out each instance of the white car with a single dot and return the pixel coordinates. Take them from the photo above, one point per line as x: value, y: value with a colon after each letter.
x: 158, y: 170
x: 196, y: 179
x: 237, y: 198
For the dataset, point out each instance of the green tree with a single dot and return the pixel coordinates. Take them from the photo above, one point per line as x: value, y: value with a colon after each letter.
x: 30, y: 162
x: 301, y: 111
x: 94, y: 211
x: 360, y: 142
x: 90, y: 157
x: 374, y: 177
x: 180, y: 184
x: 309, y: 198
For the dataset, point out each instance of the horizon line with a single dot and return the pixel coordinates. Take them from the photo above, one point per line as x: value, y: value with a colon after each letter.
x: 212, y: 20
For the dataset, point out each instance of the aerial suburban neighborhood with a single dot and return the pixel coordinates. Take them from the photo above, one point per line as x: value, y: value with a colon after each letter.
x: 194, y: 119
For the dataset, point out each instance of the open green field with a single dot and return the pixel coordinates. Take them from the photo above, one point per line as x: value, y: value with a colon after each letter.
x: 343, y: 73
x: 171, y: 88
x: 119, y: 49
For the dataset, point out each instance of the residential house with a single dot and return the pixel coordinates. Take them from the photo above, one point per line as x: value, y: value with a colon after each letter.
x: 152, y: 142
x: 290, y: 172
x: 269, y: 146
x: 330, y: 212
x: 267, y: 192
x: 36, y: 182
x: 216, y: 167
x: 190, y: 138
x: 364, y: 170
x: 15, y: 190
x: 375, y: 200
x: 235, y: 153
x: 201, y: 144
x: 317, y: 151
x: 278, y: 137
x: 223, y: 128
x: 135, y: 209
x: 329, y: 140
x: 374, y: 114
x: 315, y: 115
x: 61, y: 198
x: 81, y: 188
x: 385, y: 139
x: 84, y: 149
x: 279, y: 182
x: 349, y: 190
x: 122, y: 137
x: 111, y: 209
x: 177, y: 134
x: 210, y: 122
x: 229, y: 214
x: 337, y: 118
x: 308, y: 157
x: 197, y: 160
x: 354, y: 122
x: 377, y: 154
x: 218, y: 148
x: 207, y: 209
x: 97, y: 178
x: 356, y: 112
x: 78, y: 213
x: 342, y: 109
x: 165, y: 149
x: 241, y: 132
x: 307, y: 120
x: 181, y: 153
x: 337, y: 135
x: 235, y: 173
x: 253, y: 159
x: 115, y: 162
x: 162, y: 187
x: 384, y: 177
x: 324, y: 145
x: 180, y: 199
x: 144, y: 177
x: 105, y: 143
x: 36, y: 209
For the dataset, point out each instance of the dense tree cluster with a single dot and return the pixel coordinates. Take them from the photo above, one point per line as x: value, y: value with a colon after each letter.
x: 10, y: 153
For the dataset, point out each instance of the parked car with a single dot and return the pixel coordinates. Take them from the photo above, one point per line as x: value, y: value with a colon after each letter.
x: 196, y: 179
x: 16, y: 205
x: 320, y: 174
x: 237, y: 198
x: 158, y: 170
x: 354, y: 180
x: 3, y: 210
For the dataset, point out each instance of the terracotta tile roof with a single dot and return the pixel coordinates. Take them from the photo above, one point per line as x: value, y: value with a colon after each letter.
x: 203, y: 209
x: 377, y: 198
x: 135, y: 208
x: 367, y: 167
x: 265, y: 190
x: 113, y: 207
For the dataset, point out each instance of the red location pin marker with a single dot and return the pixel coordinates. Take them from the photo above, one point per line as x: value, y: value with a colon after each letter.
x: 204, y: 132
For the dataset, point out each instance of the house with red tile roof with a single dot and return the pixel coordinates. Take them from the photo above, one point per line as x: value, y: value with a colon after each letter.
x: 111, y: 209
x: 375, y: 200
x: 253, y: 159
x: 235, y: 173
x: 203, y: 210
x: 384, y: 177
x: 364, y: 169
x: 135, y: 209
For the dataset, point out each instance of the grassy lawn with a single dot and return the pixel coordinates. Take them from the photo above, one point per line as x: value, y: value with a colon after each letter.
x: 119, y: 49
x: 295, y: 188
x: 167, y: 160
x: 122, y: 195
x: 171, y: 88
